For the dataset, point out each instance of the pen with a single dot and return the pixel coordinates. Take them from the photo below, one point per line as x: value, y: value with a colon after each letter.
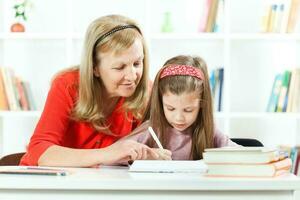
x: 155, y: 137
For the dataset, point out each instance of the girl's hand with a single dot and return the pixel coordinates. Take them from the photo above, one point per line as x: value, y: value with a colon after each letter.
x: 164, y: 154
x: 128, y: 150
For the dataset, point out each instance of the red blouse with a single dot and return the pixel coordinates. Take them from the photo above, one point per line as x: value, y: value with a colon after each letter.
x: 56, y: 128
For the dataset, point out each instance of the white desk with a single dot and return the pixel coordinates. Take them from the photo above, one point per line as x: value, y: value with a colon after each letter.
x: 118, y: 183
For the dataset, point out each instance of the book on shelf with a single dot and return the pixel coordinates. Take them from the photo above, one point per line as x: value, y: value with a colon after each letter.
x: 14, y: 93
x: 246, y: 162
x: 293, y: 153
x: 168, y: 166
x: 216, y: 84
x: 294, y: 16
x: 3, y: 97
x: 212, y: 16
x: 218, y: 26
x: 285, y: 95
x: 273, y: 100
x: 280, y: 16
x: 293, y: 94
x: 29, y: 95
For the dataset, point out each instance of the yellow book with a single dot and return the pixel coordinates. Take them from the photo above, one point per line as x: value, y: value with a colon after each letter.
x: 272, y: 18
x: 293, y: 16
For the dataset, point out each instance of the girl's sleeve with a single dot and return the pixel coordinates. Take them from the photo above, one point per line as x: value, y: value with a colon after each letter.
x: 53, y: 122
x: 221, y: 140
x: 141, y: 134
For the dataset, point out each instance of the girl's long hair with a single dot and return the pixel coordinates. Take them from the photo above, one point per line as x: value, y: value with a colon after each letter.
x: 203, y: 127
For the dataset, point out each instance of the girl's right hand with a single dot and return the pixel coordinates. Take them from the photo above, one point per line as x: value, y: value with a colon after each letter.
x: 127, y: 150
x: 164, y: 154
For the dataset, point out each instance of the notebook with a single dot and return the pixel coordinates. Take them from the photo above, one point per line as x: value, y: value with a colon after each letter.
x: 168, y: 166
x: 33, y: 171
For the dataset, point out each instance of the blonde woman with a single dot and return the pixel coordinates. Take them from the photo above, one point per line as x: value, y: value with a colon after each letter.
x: 91, y: 106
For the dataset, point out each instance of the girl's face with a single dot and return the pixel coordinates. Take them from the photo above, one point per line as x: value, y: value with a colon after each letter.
x: 181, y: 110
x: 121, y: 73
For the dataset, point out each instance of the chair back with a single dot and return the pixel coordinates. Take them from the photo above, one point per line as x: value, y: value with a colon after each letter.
x: 247, y: 142
x: 11, y: 159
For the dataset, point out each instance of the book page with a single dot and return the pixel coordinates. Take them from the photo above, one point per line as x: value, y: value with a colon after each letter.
x: 168, y: 166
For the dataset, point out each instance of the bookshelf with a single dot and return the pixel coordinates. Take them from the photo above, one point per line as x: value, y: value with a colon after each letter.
x: 250, y: 58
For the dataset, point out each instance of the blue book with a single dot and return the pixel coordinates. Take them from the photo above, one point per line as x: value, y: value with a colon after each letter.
x: 273, y: 100
x: 221, y: 80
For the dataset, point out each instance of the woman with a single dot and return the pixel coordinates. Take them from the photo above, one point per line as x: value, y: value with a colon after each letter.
x: 91, y: 106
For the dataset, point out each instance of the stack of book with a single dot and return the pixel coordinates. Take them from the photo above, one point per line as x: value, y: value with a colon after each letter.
x: 246, y: 162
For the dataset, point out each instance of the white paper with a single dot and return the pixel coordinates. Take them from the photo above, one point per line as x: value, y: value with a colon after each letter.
x: 169, y: 166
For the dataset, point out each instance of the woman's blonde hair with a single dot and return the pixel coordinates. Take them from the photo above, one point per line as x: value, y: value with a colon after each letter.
x: 89, y: 106
x: 203, y: 127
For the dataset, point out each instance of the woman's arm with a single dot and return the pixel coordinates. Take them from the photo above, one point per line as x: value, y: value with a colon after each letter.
x: 119, y: 152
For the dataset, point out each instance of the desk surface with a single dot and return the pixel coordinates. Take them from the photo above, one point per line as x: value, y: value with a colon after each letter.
x: 118, y: 178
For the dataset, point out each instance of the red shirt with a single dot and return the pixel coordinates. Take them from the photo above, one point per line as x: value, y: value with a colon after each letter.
x: 56, y: 128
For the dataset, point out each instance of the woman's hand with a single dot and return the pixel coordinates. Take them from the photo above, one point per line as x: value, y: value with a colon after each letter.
x: 164, y: 154
x: 128, y: 150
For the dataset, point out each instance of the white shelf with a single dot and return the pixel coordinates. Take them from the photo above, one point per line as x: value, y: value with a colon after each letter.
x: 33, y: 36
x: 20, y: 114
x: 264, y: 36
x: 257, y: 115
x: 195, y: 36
x: 250, y: 59
x: 264, y: 115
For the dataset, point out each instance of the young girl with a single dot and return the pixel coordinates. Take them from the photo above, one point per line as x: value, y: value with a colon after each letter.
x: 180, y: 111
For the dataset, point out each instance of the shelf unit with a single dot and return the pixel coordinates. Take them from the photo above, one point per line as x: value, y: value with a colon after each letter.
x: 250, y: 59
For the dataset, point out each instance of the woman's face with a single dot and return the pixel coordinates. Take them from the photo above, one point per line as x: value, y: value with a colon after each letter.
x: 121, y: 73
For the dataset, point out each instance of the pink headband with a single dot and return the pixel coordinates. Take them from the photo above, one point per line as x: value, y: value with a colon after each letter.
x: 186, y: 70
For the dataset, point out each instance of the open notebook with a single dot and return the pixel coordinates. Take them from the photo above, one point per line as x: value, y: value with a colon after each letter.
x: 168, y: 166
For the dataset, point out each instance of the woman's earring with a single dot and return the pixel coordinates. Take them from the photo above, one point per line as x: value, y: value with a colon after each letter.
x: 96, y: 72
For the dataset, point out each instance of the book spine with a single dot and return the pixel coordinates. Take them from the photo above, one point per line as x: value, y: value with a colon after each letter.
x: 283, y: 91
x: 204, y: 18
x: 273, y: 100
x: 3, y: 95
x: 293, y: 15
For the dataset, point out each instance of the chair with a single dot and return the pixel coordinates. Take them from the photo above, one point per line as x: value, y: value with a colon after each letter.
x: 247, y: 142
x: 11, y: 159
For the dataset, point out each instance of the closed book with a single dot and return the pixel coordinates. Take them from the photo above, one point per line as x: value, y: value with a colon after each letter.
x: 3, y: 96
x: 273, y: 100
x: 204, y: 18
x: 243, y: 155
x: 293, y: 15
x: 221, y: 79
x: 283, y: 91
x: 296, y: 94
x: 211, y: 20
x: 250, y: 170
x: 292, y: 89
